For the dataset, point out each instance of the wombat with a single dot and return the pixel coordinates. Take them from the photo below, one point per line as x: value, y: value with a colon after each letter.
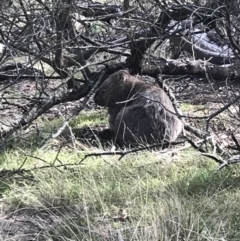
x: 138, y: 111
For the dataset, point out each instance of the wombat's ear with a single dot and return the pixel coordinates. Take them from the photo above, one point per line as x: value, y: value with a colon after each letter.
x: 126, y: 70
x: 122, y: 75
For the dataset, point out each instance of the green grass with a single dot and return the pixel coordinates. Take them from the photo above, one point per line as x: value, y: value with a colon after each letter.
x: 162, y: 201
x: 36, y: 137
x: 87, y: 119
x: 144, y: 196
x: 199, y: 109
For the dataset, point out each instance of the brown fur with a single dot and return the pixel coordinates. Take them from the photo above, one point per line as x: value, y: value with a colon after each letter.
x: 138, y: 112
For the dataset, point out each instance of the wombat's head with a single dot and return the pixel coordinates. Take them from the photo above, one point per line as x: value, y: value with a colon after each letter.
x: 114, y: 89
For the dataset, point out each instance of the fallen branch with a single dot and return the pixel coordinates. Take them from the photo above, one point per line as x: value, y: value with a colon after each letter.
x: 192, y: 67
x: 128, y: 151
x: 230, y: 161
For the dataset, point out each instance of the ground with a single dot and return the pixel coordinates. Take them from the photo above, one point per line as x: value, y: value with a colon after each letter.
x: 170, y: 194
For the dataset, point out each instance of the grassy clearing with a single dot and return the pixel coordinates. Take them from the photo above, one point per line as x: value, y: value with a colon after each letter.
x: 142, y: 197
x: 145, y: 196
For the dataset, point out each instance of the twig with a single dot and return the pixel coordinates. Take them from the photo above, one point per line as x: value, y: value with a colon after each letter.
x: 125, y: 152
x: 195, y: 146
x: 235, y: 141
x: 21, y: 165
x: 10, y: 173
x: 214, y: 157
x: 231, y: 160
x: 40, y: 159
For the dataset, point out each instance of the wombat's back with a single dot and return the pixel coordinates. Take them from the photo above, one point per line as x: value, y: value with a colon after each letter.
x: 153, y: 96
x: 149, y: 123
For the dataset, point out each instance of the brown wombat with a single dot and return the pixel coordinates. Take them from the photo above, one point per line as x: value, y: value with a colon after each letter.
x: 138, y: 112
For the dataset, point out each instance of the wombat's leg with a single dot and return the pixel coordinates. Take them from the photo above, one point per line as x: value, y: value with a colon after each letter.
x: 113, y: 112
